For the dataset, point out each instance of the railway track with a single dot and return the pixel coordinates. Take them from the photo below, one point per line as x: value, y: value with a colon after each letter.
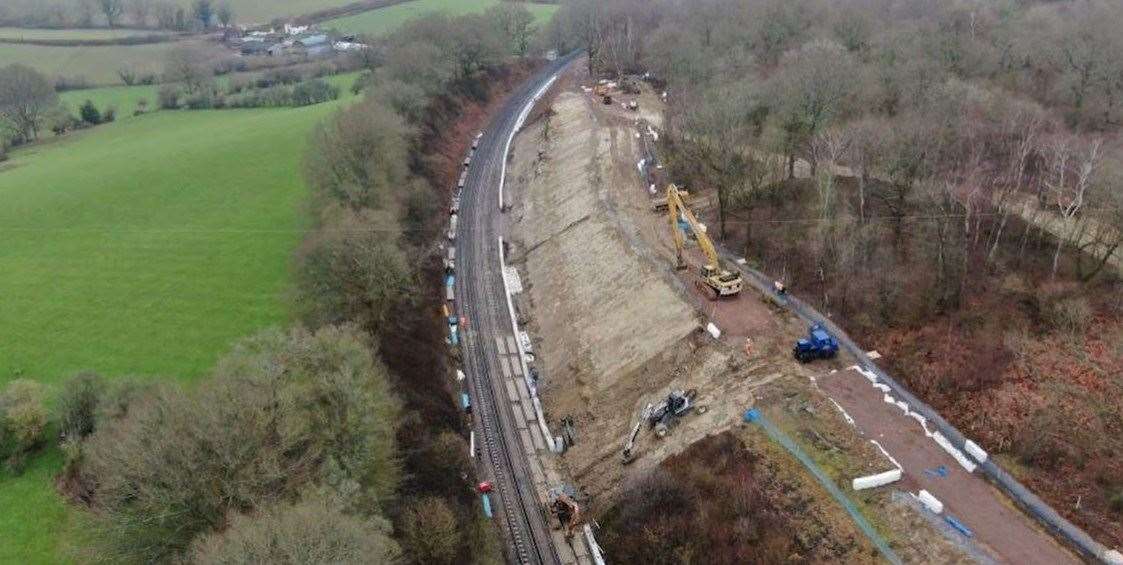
x: 481, y: 303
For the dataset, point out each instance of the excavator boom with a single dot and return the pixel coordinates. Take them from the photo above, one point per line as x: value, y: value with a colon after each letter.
x: 720, y: 281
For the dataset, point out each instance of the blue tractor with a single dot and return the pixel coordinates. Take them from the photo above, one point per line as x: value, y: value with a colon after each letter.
x: 819, y: 344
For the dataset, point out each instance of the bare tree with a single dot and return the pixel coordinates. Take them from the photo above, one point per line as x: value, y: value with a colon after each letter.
x: 203, y: 11
x: 865, y: 153
x: 1072, y: 166
x: 314, y: 530
x: 25, y: 98
x: 188, y: 66
x: 827, y: 147
x: 139, y: 10
x: 165, y: 11
x: 812, y: 88
x: 112, y: 9
x: 225, y: 14
x: 517, y: 23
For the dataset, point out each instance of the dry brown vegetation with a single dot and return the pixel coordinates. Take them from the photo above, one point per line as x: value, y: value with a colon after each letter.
x: 720, y: 502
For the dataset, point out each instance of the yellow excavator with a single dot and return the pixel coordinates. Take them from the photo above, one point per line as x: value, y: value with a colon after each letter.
x: 715, y: 279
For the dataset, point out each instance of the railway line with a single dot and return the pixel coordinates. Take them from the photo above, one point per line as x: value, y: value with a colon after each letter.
x: 481, y: 304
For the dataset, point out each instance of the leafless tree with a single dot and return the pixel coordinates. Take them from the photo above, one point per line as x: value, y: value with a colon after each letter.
x: 811, y: 90
x: 25, y: 98
x: 165, y: 11
x: 864, y: 154
x: 112, y: 9
x: 190, y: 67
x: 1071, y: 168
x: 517, y: 24
x: 139, y: 11
x: 225, y: 14
x: 827, y: 147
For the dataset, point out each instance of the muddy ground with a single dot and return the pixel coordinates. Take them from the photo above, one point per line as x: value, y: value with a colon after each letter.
x: 615, y: 327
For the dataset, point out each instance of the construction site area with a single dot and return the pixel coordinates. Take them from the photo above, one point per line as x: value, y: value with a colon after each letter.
x: 655, y: 356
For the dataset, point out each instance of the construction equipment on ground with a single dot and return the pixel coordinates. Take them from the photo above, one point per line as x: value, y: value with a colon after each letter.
x: 627, y: 455
x: 715, y: 280
x: 819, y: 344
x: 660, y: 204
x: 566, y: 509
x: 661, y: 417
x: 677, y: 403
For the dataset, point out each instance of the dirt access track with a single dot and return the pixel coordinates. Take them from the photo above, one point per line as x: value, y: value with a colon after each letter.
x: 614, y: 327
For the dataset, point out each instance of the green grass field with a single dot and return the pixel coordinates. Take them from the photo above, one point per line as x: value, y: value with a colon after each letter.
x: 143, y: 247
x: 22, y: 33
x: 99, y: 65
x: 124, y: 98
x: 385, y: 20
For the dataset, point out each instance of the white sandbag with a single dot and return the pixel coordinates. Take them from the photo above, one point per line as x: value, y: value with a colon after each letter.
x: 930, y: 502
x: 904, y: 406
x: 881, y: 387
x: 710, y: 327
x: 889, y: 400
x: 1113, y: 557
x: 975, y: 451
x: 880, y: 479
x: 954, y: 452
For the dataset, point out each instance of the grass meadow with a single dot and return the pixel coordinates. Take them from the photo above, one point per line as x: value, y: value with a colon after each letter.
x: 140, y: 248
x: 386, y: 20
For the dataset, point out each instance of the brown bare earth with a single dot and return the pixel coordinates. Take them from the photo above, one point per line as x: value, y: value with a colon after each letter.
x: 615, y: 327
x: 1005, y: 532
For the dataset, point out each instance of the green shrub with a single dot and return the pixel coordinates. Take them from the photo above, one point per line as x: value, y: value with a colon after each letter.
x: 89, y: 113
x: 78, y: 405
x: 313, y: 92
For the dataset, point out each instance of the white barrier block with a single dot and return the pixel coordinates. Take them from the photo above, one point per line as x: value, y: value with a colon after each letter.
x: 904, y: 406
x: 889, y: 399
x: 956, y: 453
x: 710, y: 327
x: 930, y: 502
x: 881, y: 387
x: 880, y: 479
x: 975, y: 451
x: 1113, y: 557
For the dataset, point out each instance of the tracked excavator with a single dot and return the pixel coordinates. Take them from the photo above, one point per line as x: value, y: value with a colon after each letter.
x: 715, y: 280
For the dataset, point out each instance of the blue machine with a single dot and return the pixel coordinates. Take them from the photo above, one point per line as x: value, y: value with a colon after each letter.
x: 454, y: 330
x: 819, y: 344
x: 487, y: 505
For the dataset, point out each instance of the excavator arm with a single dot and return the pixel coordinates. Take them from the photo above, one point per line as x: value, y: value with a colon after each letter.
x: 721, y: 281
x: 677, y: 207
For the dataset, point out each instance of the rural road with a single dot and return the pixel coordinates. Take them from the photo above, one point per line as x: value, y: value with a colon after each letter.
x: 481, y: 303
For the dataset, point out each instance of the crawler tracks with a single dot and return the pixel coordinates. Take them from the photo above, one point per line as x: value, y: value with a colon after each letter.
x: 481, y: 303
